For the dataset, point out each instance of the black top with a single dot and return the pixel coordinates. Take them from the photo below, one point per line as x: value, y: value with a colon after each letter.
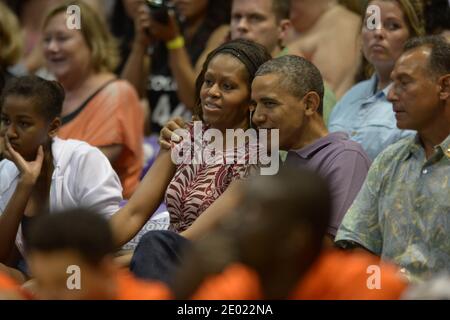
x: 162, y: 87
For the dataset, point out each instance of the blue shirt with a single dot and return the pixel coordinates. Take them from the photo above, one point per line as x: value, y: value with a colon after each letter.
x: 367, y: 117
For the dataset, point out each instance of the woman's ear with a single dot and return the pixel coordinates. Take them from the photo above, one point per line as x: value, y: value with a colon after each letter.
x: 312, y: 103
x: 54, y: 127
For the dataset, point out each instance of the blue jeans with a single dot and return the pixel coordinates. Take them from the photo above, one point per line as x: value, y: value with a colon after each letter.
x: 158, y: 255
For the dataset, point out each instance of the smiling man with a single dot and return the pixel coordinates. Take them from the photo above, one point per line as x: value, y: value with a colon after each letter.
x: 402, y: 212
x: 288, y: 95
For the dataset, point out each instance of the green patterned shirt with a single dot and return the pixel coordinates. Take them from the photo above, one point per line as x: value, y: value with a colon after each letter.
x: 402, y: 212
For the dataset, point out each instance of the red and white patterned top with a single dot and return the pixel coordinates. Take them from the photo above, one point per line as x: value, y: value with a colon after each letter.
x: 196, y: 186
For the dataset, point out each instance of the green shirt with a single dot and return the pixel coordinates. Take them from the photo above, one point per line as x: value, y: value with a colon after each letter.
x: 402, y: 212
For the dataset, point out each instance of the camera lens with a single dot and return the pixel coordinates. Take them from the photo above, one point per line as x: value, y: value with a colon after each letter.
x: 155, y: 3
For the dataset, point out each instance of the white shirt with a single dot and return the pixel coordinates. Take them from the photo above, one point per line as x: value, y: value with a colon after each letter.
x: 82, y: 177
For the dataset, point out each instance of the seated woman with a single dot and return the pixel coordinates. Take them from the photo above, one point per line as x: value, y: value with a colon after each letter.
x: 99, y: 108
x: 223, y: 93
x: 364, y: 112
x: 42, y: 172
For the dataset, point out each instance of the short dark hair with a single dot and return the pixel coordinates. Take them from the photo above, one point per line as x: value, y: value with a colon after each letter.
x: 81, y: 230
x: 297, y: 75
x: 437, y: 16
x: 439, y: 60
x: 281, y: 8
x: 297, y: 195
x: 251, y: 54
x: 48, y: 95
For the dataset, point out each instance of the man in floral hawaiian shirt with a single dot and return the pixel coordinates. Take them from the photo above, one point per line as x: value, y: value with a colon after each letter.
x: 402, y: 213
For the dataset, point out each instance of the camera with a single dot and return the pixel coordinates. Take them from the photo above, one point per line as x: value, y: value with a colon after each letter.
x: 159, y: 10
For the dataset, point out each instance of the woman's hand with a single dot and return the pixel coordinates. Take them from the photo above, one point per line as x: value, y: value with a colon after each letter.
x: 148, y: 29
x: 142, y: 23
x: 29, y: 170
x: 165, y: 32
x: 168, y: 135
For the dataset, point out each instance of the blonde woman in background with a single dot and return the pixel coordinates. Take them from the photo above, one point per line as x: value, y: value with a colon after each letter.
x: 11, y: 45
x: 99, y: 108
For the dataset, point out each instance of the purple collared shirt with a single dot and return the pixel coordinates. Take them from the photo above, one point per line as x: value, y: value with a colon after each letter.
x: 342, y: 162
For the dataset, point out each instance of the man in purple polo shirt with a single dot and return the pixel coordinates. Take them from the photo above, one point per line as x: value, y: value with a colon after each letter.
x: 288, y: 95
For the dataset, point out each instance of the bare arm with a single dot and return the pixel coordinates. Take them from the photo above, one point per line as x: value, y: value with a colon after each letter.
x: 11, y: 218
x: 137, y: 66
x: 184, y: 75
x: 127, y: 222
x: 14, y: 211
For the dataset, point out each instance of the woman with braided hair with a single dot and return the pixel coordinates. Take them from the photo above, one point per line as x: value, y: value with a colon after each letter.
x: 223, y: 96
x: 364, y: 111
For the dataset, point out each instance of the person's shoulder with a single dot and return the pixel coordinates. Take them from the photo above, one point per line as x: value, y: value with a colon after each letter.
x: 345, y: 146
x: 237, y: 282
x: 8, y: 172
x: 122, y: 88
x: 354, y: 95
x: 6, y: 167
x: 353, y: 270
x: 131, y: 288
x: 73, y: 151
x: 122, y: 85
x: 396, y: 151
x: 358, y: 89
x: 347, y: 15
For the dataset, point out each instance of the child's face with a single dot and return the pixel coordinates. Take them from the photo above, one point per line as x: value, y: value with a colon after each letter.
x: 65, y: 275
x: 25, y: 127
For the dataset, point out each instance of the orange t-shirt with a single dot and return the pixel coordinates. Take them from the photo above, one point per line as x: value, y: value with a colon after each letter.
x: 113, y: 116
x: 236, y: 282
x: 9, y: 289
x: 340, y: 275
x: 335, y: 275
x: 131, y: 288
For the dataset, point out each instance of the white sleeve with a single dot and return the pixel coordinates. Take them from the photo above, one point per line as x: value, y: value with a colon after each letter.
x: 97, y: 186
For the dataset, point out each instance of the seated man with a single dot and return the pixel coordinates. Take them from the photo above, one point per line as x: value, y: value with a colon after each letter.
x: 271, y: 247
x: 71, y: 257
x: 402, y: 212
x: 288, y: 94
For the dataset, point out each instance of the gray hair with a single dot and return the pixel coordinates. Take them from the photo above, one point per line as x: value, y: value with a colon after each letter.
x: 439, y: 60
